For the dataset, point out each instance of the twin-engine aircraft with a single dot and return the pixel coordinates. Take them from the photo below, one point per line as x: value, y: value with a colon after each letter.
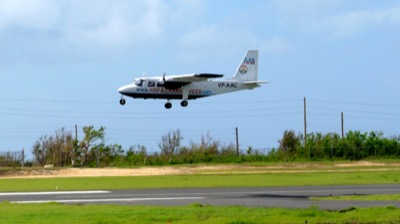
x: 193, y: 86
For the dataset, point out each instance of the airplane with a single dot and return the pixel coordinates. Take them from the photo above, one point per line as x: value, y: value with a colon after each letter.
x: 192, y: 86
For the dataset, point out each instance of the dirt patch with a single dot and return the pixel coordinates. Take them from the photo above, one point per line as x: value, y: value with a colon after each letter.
x: 362, y: 163
x: 207, y: 169
x: 90, y: 172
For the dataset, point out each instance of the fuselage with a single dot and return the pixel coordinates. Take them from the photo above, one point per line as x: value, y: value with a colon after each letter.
x: 148, y: 88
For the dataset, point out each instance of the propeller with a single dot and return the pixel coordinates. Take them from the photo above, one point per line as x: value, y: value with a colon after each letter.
x: 164, y: 76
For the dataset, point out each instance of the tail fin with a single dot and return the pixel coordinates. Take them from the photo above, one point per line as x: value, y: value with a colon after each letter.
x: 248, y: 68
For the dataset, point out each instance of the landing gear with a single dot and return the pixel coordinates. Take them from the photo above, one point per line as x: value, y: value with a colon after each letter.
x: 122, y: 101
x: 184, y: 103
x: 168, y: 105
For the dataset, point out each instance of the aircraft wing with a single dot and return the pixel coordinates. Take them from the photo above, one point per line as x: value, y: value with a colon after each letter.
x: 192, y: 77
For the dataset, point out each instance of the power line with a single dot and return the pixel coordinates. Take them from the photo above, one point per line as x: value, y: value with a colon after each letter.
x: 355, y: 111
x: 355, y: 103
x: 63, y: 111
x: 58, y: 101
x: 258, y: 112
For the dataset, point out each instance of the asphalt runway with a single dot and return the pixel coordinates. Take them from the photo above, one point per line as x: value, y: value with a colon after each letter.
x: 282, y: 197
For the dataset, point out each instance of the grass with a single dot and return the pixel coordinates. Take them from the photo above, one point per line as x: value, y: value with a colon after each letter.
x: 58, y: 213
x: 192, y: 181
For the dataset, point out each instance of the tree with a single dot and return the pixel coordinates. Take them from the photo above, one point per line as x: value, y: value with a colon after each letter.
x: 170, y: 143
x: 62, y: 145
x: 55, y: 149
x: 207, y: 149
x: 136, y: 154
x: 289, y: 143
x: 110, y: 153
x: 209, y: 144
x: 91, y: 144
x: 40, y: 150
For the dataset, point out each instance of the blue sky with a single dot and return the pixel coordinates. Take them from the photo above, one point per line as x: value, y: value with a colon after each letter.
x: 61, y: 63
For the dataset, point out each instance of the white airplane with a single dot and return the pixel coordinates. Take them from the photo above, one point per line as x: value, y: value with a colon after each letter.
x: 193, y: 86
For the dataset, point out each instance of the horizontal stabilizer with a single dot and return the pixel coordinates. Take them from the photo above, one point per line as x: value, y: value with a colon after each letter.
x: 255, y: 82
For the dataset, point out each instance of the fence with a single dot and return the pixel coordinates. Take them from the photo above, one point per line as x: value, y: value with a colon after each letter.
x: 255, y: 151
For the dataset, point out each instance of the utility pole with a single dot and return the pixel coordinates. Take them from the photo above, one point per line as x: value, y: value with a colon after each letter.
x: 342, y: 126
x: 305, y: 120
x: 237, y: 141
x: 75, y: 150
x: 23, y: 157
x: 76, y: 132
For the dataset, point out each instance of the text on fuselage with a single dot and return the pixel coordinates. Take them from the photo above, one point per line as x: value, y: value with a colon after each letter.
x: 227, y: 85
x: 179, y: 90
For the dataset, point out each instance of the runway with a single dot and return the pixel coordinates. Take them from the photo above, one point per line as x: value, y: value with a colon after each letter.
x: 283, y: 197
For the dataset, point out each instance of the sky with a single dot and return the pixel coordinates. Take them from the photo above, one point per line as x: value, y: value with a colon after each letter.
x: 61, y: 63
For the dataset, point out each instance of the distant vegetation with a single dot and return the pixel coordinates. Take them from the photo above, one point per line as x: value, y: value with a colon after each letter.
x: 62, y: 149
x: 353, y: 146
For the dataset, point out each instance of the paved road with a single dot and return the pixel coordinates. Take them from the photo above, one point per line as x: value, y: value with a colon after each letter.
x: 285, y: 197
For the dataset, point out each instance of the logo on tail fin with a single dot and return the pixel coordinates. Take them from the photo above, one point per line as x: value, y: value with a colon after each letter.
x: 249, y: 61
x: 243, y: 69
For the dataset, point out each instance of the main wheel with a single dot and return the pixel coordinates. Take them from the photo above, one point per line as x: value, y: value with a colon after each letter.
x: 122, y: 101
x: 184, y: 103
x: 168, y: 105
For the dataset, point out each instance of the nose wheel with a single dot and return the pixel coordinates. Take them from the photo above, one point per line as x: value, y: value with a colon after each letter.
x: 122, y: 101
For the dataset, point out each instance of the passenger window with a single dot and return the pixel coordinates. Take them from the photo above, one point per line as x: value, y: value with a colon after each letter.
x: 151, y: 84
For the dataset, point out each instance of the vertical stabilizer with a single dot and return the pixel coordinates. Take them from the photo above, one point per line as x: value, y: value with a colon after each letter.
x: 248, y: 68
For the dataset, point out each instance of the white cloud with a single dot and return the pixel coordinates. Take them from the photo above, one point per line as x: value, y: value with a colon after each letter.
x: 109, y: 23
x: 203, y: 42
x: 183, y: 12
x: 32, y: 14
x: 275, y: 45
x: 153, y: 19
x: 216, y: 37
x: 359, y: 20
x: 68, y: 29
x: 119, y: 24
x: 306, y: 8
x: 204, y: 35
x: 212, y: 40
x: 337, y: 18
x: 110, y: 29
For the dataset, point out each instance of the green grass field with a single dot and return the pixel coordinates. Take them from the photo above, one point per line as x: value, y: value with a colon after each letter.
x: 188, y: 181
x: 57, y: 213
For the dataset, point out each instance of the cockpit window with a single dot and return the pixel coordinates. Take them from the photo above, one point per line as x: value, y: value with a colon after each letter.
x: 139, y: 82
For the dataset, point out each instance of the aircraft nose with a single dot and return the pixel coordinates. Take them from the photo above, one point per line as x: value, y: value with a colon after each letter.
x: 123, y: 89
